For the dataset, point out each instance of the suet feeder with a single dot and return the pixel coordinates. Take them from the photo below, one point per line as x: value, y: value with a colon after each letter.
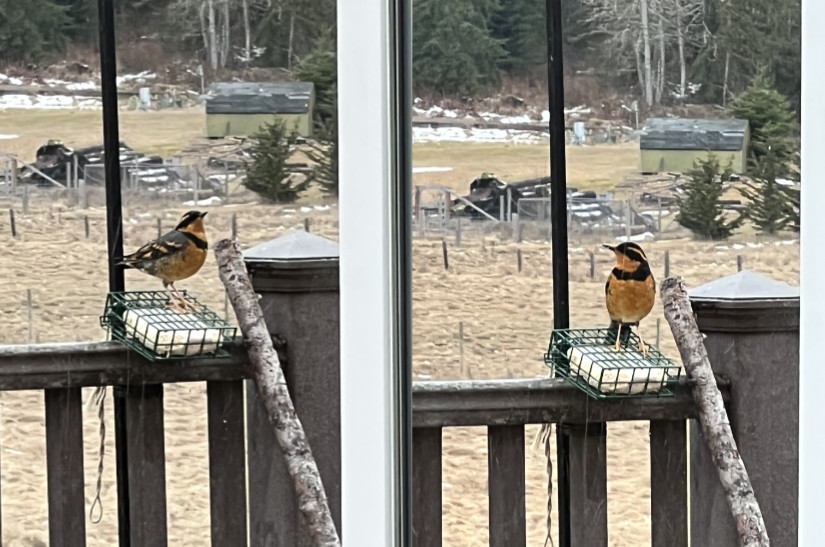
x: 141, y: 321
x: 588, y: 360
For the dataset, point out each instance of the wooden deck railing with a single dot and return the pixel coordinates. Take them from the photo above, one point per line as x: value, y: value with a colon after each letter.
x: 505, y: 407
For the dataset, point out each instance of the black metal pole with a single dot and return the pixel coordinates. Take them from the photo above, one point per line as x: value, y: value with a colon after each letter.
x: 401, y: 12
x: 114, y: 231
x: 558, y: 215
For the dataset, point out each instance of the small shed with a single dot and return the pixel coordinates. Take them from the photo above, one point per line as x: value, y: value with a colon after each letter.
x: 673, y: 144
x: 242, y: 108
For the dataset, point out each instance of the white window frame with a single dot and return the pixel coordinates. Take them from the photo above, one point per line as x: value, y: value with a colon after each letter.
x: 812, y: 274
x: 375, y: 375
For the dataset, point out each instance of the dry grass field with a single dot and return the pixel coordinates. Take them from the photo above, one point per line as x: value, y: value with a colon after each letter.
x: 506, y: 317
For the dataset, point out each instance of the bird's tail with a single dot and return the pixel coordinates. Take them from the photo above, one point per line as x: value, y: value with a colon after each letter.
x: 613, y: 329
x: 125, y: 261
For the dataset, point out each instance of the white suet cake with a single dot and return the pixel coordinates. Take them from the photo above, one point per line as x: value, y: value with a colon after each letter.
x: 168, y: 332
x: 625, y: 373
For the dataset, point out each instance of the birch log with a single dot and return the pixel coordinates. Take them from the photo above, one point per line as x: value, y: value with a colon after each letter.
x: 312, y: 499
x: 713, y: 416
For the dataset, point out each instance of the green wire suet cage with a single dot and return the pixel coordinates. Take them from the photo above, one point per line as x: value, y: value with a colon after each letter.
x: 588, y: 360
x: 142, y: 321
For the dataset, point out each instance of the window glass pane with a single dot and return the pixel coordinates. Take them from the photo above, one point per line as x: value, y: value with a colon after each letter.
x: 199, y: 84
x: 649, y: 87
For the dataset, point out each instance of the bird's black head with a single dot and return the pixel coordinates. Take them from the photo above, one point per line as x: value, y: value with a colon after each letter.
x: 188, y: 218
x: 630, y: 250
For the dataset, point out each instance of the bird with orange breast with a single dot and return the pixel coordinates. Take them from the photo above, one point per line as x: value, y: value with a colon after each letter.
x: 174, y: 256
x: 630, y: 291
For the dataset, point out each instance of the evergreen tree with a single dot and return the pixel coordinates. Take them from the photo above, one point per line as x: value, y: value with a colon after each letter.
x: 770, y: 117
x: 28, y: 30
x: 770, y: 209
x: 521, y: 27
x: 700, y: 210
x: 267, y: 174
x: 792, y: 197
x: 82, y: 20
x: 453, y: 48
x: 324, y: 155
x: 320, y: 68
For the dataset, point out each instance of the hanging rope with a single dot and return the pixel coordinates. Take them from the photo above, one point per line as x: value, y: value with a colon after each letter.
x: 546, y: 434
x: 99, y: 398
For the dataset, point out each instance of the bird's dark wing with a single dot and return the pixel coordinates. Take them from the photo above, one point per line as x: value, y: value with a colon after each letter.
x: 167, y: 245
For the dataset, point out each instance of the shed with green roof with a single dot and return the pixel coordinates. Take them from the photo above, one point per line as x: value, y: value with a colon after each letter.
x: 242, y: 108
x: 674, y: 144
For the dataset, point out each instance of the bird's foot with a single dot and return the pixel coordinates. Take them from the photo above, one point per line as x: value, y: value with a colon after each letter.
x: 191, y: 305
x: 182, y: 305
x: 643, y: 348
x: 617, y: 347
x: 177, y: 306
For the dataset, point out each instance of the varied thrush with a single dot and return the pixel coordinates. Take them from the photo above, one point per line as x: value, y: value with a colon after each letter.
x: 630, y: 291
x: 174, y: 256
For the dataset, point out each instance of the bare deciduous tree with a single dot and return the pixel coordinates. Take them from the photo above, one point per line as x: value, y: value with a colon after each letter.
x: 646, y: 34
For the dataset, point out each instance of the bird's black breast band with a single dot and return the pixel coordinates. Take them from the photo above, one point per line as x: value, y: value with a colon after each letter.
x: 640, y: 274
x: 199, y: 243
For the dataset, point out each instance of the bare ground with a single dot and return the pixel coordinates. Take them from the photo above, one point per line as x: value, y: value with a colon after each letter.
x: 507, y: 319
x: 506, y: 316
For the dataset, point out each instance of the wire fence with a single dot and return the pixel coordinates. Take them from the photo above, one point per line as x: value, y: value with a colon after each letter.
x: 596, y: 217
x: 140, y: 182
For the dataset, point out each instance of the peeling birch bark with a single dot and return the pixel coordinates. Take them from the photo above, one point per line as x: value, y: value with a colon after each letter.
x: 269, y: 378
x: 712, y: 415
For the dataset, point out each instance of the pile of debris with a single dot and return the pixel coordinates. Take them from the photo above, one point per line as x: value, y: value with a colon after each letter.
x: 661, y: 188
x: 587, y: 211
x: 56, y: 162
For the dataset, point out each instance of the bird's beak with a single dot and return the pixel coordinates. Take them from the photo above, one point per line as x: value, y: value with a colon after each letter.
x: 203, y: 214
x: 609, y: 247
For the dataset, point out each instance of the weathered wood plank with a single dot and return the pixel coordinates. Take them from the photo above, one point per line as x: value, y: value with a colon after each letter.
x: 45, y: 366
x: 426, y: 487
x: 270, y: 522
x: 227, y: 466
x: 713, y: 415
x: 64, y: 462
x: 668, y: 483
x: 147, y: 465
x: 505, y: 467
x: 587, y: 467
x: 435, y: 404
x: 506, y: 402
x: 271, y: 383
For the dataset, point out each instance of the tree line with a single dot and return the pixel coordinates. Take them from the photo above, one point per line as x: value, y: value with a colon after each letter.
x: 219, y: 33
x: 665, y: 49
x: 660, y: 50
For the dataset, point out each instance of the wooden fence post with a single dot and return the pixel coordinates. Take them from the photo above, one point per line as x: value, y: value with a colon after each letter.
x: 752, y: 328
x: 297, y: 278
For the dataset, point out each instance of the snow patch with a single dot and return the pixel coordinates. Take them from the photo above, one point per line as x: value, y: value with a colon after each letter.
x: 48, y: 102
x: 476, y: 134
x: 431, y: 169
x: 644, y: 236
x: 208, y: 202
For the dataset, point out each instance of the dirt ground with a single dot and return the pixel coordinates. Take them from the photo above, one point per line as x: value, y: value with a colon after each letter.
x: 506, y: 317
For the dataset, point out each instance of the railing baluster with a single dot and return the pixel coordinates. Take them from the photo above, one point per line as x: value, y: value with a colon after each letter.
x: 147, y: 465
x: 427, y: 487
x: 64, y: 457
x: 270, y: 508
x: 588, y: 483
x: 227, y: 466
x: 506, y: 488
x: 668, y: 483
